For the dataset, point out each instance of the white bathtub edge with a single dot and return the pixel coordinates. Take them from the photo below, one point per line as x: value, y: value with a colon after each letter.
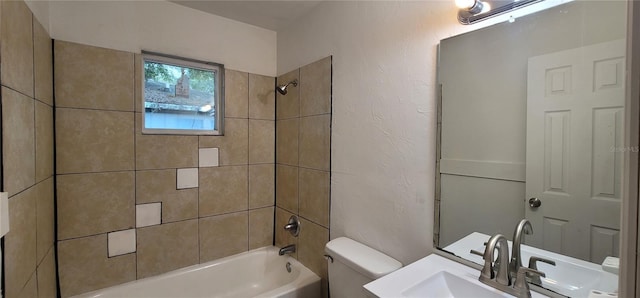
x: 308, y: 282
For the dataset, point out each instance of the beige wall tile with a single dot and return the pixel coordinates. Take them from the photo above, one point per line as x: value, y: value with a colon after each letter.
x: 44, y: 141
x: 314, y: 196
x: 315, y: 142
x: 90, y: 204
x: 223, y: 190
x: 289, y: 105
x: 315, y: 88
x: 164, y: 151
x: 312, y: 240
x: 45, y: 217
x: 236, y: 94
x: 223, y: 235
x: 137, y: 79
x: 92, y: 77
x: 18, y: 145
x: 47, y: 284
x: 234, y: 145
x: 262, y: 97
x: 261, y: 185
x: 260, y: 227
x: 16, y: 47
x: 287, y: 188
x: 20, y: 242
x: 287, y: 141
x: 85, y: 267
x: 167, y: 247
x: 93, y: 141
x: 283, y: 237
x: 160, y: 186
x: 43, y: 64
x: 262, y: 139
x: 30, y: 290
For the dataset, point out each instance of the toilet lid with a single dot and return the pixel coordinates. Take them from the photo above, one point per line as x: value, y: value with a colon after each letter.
x: 361, y: 258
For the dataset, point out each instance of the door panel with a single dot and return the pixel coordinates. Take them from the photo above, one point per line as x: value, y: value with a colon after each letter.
x: 575, y: 108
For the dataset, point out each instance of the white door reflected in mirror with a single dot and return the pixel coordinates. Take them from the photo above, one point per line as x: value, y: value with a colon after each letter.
x: 575, y: 109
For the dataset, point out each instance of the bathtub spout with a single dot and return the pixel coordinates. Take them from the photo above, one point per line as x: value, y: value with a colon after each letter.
x: 289, y: 249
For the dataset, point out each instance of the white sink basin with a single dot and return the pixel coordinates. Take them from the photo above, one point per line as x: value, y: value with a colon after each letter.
x: 573, y: 279
x: 570, y: 276
x: 437, y: 277
x: 445, y: 284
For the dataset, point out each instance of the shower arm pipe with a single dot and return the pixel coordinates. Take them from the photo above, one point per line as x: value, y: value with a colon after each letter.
x: 283, y: 88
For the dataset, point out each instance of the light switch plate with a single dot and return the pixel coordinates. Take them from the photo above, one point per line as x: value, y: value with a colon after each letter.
x: 4, y: 213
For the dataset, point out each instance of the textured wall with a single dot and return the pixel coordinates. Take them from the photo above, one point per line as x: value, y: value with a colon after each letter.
x: 27, y: 152
x: 383, y: 127
x: 165, y: 27
x: 132, y: 205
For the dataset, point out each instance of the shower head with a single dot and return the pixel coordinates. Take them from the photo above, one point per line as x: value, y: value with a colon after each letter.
x: 283, y: 89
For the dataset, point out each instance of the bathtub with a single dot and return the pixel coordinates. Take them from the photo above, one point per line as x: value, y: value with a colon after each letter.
x: 257, y: 273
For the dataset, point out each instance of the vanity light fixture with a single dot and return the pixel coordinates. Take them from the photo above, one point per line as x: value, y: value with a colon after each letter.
x: 472, y: 6
x: 473, y: 11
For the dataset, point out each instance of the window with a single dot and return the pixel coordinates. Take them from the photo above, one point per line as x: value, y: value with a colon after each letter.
x: 181, y: 96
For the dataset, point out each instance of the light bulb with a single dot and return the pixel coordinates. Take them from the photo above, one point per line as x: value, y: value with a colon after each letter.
x: 486, y: 7
x: 205, y: 108
x: 465, y: 4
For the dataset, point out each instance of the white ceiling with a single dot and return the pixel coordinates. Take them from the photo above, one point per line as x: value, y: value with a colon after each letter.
x: 272, y: 15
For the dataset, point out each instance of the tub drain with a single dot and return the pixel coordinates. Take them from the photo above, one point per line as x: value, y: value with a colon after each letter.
x: 288, y: 267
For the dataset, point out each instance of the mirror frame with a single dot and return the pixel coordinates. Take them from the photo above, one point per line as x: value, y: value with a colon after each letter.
x: 629, y: 262
x: 629, y: 265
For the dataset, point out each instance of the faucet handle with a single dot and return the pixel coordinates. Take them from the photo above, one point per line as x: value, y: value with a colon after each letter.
x: 293, y: 226
x: 475, y: 252
x: 521, y: 286
x: 533, y: 260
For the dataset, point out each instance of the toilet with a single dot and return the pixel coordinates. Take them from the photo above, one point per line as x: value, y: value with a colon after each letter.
x: 353, y: 264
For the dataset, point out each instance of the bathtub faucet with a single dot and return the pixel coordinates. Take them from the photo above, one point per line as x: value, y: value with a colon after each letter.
x: 287, y: 249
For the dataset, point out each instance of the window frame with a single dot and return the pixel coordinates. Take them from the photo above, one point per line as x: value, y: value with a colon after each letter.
x: 216, y: 68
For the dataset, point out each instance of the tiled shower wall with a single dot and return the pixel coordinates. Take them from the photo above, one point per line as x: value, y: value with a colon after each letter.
x: 303, y: 160
x: 132, y: 205
x: 27, y: 152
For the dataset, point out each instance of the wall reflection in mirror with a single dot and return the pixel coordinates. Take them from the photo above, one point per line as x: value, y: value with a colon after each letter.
x: 532, y: 128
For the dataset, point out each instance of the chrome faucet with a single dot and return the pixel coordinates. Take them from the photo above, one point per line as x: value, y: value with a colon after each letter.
x: 289, y: 249
x: 521, y: 287
x: 516, y: 256
x: 535, y: 279
x: 293, y: 226
x: 490, y: 273
x: 497, y: 273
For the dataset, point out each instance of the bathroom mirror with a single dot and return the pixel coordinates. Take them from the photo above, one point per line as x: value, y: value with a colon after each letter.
x: 531, y: 127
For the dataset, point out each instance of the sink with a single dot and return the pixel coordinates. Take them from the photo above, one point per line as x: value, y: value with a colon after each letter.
x: 445, y: 284
x: 570, y: 277
x: 434, y: 276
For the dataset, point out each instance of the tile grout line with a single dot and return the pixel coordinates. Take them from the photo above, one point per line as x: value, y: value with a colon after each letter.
x: 198, y: 197
x: 35, y: 147
x: 300, y: 133
x: 135, y: 160
x: 248, y: 160
x: 275, y: 157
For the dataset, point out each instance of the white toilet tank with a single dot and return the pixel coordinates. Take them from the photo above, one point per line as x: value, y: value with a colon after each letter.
x: 354, y: 265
